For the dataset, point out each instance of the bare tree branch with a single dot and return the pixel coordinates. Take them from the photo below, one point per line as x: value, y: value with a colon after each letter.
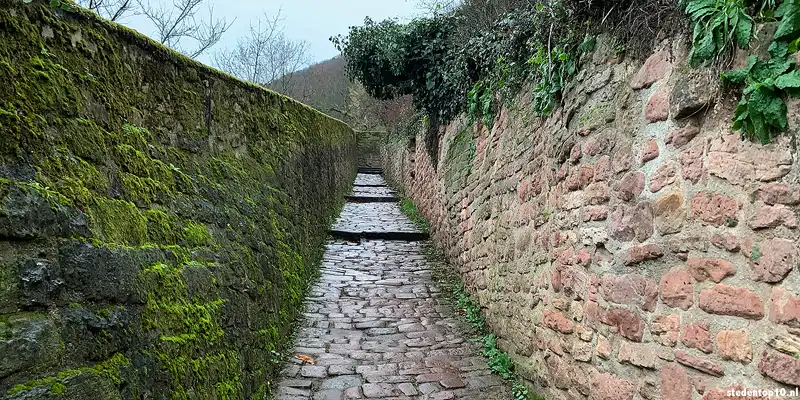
x: 179, y: 22
x: 112, y: 10
x: 265, y: 57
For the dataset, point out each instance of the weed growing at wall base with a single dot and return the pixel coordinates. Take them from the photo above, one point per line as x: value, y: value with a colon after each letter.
x: 498, y: 360
x: 410, y: 210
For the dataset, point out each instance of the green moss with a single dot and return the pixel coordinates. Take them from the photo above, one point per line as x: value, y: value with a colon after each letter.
x: 85, y: 139
x: 109, y: 369
x: 137, y: 163
x: 75, y: 113
x: 196, y: 235
x: 118, y: 221
x: 144, y: 191
x: 73, y: 177
x: 162, y: 228
x: 135, y: 136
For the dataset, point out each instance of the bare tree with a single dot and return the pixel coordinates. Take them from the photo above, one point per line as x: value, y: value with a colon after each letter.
x: 180, y: 21
x: 265, y: 56
x: 112, y: 10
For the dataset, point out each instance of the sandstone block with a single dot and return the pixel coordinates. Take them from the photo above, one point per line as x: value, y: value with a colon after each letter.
x: 734, y: 301
x: 676, y: 288
x: 735, y: 345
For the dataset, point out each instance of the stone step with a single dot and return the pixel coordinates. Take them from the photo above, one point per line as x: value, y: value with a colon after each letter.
x: 371, y: 199
x: 358, y: 236
x: 371, y: 171
x: 369, y: 185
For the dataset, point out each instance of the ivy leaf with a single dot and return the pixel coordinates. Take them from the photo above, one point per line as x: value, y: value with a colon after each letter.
x: 789, y: 13
x: 27, y: 1
x: 738, y: 76
x: 790, y: 80
x: 744, y: 30
x: 778, y: 49
x: 703, y: 48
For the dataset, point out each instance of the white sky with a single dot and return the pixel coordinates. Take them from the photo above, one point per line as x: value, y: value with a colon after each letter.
x: 311, y: 20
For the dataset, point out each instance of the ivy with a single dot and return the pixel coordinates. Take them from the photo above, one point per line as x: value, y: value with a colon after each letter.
x: 718, y: 24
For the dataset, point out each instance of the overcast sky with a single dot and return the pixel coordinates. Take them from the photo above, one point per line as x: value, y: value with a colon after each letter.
x: 311, y: 20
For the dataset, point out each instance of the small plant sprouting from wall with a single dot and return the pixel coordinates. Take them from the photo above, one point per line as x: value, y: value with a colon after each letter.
x: 762, y: 111
x: 499, y: 361
x: 410, y: 210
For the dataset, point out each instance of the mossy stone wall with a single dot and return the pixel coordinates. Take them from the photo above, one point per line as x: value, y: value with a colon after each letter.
x: 159, y: 220
x: 369, y: 148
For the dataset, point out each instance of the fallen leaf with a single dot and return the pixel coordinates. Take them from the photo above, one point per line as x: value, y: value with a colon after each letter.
x: 305, y: 359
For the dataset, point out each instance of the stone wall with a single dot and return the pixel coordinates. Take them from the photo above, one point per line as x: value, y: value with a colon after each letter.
x: 629, y: 246
x: 369, y: 148
x: 159, y: 220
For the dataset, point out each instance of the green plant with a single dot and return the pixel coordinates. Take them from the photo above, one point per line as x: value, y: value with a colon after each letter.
x: 756, y: 254
x: 481, y: 99
x: 499, y: 361
x: 718, y: 24
x: 761, y: 112
x: 520, y: 391
x: 552, y: 70
x: 410, y: 210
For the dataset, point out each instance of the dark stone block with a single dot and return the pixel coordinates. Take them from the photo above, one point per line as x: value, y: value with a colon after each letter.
x: 105, y: 274
x: 40, y: 281
x: 28, y: 340
x: 26, y: 214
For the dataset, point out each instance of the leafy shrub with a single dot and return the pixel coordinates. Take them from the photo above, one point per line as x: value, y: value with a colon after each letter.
x: 762, y: 111
x: 482, y: 51
x: 718, y: 24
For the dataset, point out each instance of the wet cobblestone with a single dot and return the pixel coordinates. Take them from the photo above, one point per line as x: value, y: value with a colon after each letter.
x: 377, y: 327
x: 373, y: 217
x: 369, y: 179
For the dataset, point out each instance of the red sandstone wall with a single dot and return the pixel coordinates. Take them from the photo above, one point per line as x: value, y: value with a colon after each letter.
x: 630, y: 246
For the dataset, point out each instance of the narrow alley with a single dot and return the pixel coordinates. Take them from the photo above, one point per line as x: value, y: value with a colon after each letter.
x: 375, y: 324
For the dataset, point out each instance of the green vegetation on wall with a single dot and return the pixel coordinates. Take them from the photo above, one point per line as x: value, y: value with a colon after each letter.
x: 468, y: 58
x: 153, y: 211
x: 721, y: 24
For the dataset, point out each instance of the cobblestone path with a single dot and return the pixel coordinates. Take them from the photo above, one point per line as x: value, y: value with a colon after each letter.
x: 375, y: 323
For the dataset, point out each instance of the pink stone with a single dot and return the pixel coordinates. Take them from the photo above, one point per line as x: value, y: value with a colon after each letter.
x: 739, y: 162
x: 773, y: 217
x: 727, y: 242
x: 680, y: 137
x: 676, y: 288
x: 632, y: 222
x: 780, y: 367
x: 657, y: 108
x: 675, y: 383
x: 697, y: 336
x: 734, y: 301
x: 710, y: 268
x: 735, y: 345
x: 602, y: 169
x: 631, y: 185
x: 650, y: 151
x: 664, y: 175
x: 637, y: 254
x: 773, y: 260
x: 784, y: 308
x: 665, y: 329
x: 628, y: 324
x: 654, y: 69
x: 556, y: 321
x: 692, y: 163
x: 779, y: 193
x: 715, y: 209
x: 698, y: 363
